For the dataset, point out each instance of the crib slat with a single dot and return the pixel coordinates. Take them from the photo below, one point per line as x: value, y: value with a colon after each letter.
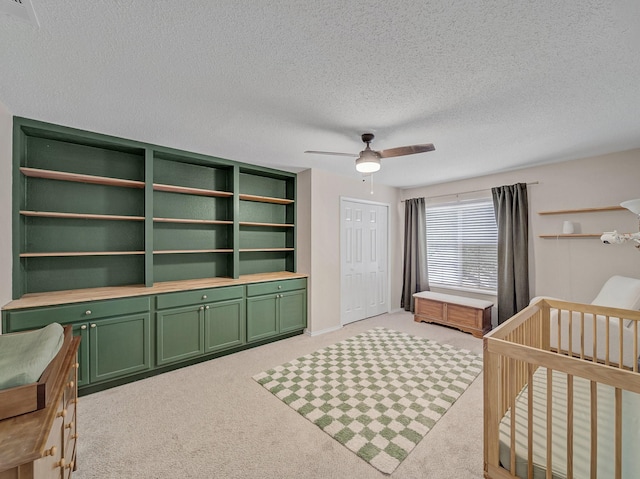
x: 606, y: 338
x: 530, y: 422
x: 569, y: 426
x: 635, y: 346
x: 549, y: 422
x: 594, y: 430
x: 512, y: 450
x: 594, y: 355
x: 581, y: 334
x: 570, y: 335
x: 620, y: 331
x: 618, y: 432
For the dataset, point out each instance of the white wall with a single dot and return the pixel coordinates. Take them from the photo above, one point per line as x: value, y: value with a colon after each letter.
x: 6, y: 126
x: 321, y: 191
x: 572, y: 269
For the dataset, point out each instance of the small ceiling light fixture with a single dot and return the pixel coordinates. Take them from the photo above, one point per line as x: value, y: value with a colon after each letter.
x: 368, y: 161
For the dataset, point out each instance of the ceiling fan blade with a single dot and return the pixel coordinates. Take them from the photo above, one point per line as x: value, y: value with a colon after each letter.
x: 406, y: 150
x: 352, y: 155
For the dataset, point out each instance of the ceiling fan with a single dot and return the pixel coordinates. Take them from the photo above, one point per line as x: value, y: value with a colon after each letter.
x: 368, y: 161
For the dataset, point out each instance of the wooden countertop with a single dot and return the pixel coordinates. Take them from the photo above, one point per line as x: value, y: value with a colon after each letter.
x: 34, y: 300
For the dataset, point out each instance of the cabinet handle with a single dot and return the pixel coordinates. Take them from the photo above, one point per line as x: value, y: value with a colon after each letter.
x: 62, y: 413
x: 50, y: 452
x: 88, y: 312
x: 201, y: 308
x: 93, y: 325
x: 70, y: 465
x: 70, y: 384
x: 206, y: 307
x: 74, y: 436
x: 204, y: 296
x: 69, y: 426
x: 279, y: 286
x: 84, y: 326
x: 61, y: 463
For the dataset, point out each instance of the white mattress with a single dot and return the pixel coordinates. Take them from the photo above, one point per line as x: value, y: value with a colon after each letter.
x: 582, y: 429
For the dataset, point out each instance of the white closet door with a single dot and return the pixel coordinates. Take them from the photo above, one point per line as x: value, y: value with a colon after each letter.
x: 364, y: 258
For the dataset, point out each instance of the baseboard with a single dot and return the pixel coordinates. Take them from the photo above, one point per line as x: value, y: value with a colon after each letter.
x: 397, y: 310
x: 323, y: 331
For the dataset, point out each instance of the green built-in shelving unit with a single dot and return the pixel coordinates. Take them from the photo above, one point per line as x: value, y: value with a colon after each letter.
x: 92, y: 210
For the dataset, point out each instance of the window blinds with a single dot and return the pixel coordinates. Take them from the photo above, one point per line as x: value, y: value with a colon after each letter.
x: 462, y: 245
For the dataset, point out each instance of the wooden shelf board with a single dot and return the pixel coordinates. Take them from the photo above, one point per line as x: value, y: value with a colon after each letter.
x: 84, y: 216
x: 190, y: 191
x: 253, y: 223
x: 194, y: 221
x: 79, y: 178
x: 252, y: 250
x: 79, y: 253
x: 184, y: 251
x: 582, y: 210
x: 266, y: 199
x: 573, y: 235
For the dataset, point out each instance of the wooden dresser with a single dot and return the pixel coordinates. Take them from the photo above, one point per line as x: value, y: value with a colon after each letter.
x: 42, y: 444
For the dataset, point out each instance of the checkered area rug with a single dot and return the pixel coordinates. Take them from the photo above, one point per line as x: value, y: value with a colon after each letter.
x: 378, y: 393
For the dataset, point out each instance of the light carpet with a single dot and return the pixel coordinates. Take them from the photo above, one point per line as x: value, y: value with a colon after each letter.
x: 378, y: 393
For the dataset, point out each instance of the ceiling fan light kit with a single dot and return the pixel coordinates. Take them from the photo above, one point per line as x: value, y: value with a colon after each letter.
x: 369, y: 160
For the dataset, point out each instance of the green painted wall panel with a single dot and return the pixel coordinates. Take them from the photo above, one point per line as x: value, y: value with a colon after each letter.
x: 71, y: 157
x: 65, y: 234
x: 177, y: 205
x: 263, y: 261
x: 263, y: 237
x: 171, y: 236
x: 261, y: 185
x: 60, y: 273
x: 263, y: 212
x: 69, y: 197
x: 174, y: 267
x: 190, y: 175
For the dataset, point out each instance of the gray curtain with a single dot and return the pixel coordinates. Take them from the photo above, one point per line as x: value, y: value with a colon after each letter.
x: 414, y: 273
x: 512, y: 216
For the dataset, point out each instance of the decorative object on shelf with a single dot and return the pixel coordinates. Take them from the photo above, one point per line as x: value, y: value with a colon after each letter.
x: 567, y: 227
x: 573, y: 234
x: 368, y: 161
x: 613, y: 237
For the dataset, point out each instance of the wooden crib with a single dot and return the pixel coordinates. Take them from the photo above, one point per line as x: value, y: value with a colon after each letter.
x: 562, y: 393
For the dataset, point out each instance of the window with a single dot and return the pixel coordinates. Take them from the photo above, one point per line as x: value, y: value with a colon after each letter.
x: 462, y: 245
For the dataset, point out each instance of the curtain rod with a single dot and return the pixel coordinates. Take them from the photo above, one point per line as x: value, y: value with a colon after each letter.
x: 467, y: 192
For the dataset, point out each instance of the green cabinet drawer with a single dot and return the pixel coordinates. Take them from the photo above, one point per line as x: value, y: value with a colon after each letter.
x: 271, y: 287
x: 173, y: 300
x: 37, y: 318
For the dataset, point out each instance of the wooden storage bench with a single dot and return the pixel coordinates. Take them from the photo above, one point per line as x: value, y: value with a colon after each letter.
x: 467, y: 314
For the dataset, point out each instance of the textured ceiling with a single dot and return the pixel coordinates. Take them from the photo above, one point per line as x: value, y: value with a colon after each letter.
x: 495, y: 85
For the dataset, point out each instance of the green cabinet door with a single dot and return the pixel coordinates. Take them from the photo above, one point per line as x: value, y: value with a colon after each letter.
x: 262, y: 317
x: 180, y: 334
x: 83, y: 353
x: 224, y: 325
x: 273, y: 314
x: 119, y: 347
x: 292, y: 310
